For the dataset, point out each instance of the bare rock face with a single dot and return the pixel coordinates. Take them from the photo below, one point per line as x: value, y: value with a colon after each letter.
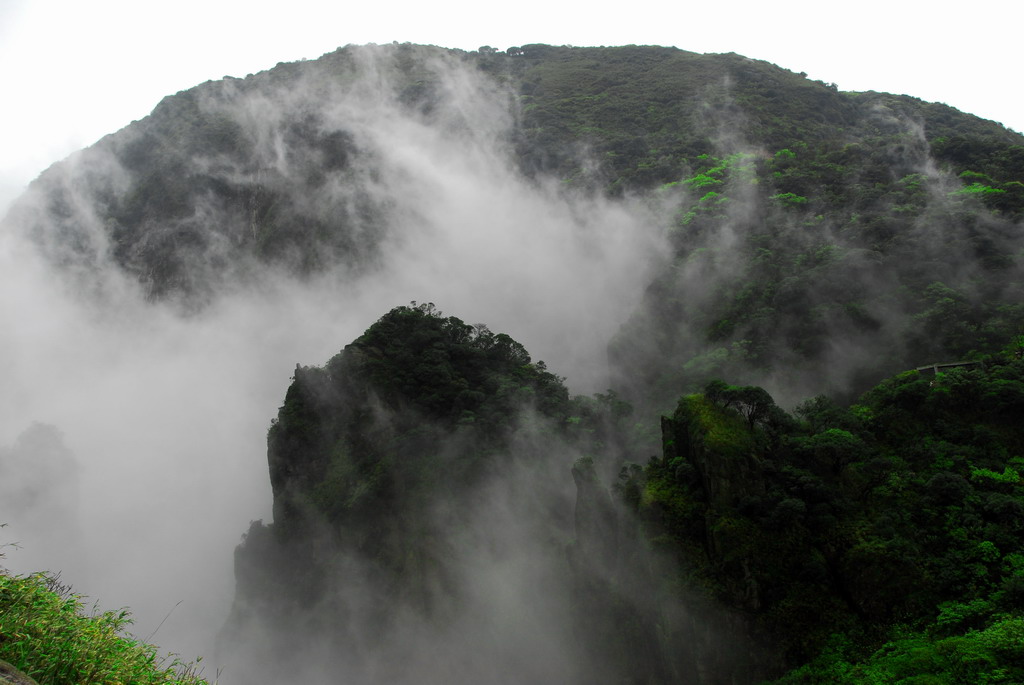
x: 9, y: 675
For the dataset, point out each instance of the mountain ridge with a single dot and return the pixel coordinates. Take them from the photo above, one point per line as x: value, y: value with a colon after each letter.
x: 325, y: 166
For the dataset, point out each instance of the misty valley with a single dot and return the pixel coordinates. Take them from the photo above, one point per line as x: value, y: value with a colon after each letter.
x: 550, y: 365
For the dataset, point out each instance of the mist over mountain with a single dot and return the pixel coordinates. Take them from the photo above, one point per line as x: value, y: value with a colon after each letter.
x: 442, y: 507
x: 762, y: 182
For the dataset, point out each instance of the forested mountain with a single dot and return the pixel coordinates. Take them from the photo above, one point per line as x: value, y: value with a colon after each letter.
x: 880, y: 541
x: 815, y: 239
x: 425, y: 528
x: 728, y: 237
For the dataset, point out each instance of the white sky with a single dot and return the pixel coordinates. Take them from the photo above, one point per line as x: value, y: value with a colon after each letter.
x: 73, y: 71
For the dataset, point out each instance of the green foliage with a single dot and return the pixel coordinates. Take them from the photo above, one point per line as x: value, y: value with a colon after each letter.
x: 878, y: 544
x: 992, y: 655
x: 790, y: 199
x: 45, y: 632
x: 702, y: 181
x: 977, y: 189
x: 369, y: 454
x: 722, y: 431
x: 450, y: 370
x: 857, y: 192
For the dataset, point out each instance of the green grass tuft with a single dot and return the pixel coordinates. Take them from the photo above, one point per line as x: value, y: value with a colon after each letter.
x: 46, y: 632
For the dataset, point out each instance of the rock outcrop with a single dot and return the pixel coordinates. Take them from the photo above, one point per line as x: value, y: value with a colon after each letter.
x: 9, y: 675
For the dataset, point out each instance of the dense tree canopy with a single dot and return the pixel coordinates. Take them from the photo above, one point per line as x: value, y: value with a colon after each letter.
x: 895, y: 522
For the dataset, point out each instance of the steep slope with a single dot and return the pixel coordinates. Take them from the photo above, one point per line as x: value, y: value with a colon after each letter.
x: 837, y: 260
x: 424, y: 516
x: 897, y: 520
x: 425, y: 528
x: 814, y: 234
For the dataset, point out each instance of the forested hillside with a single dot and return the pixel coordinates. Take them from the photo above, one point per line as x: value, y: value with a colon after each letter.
x: 816, y: 240
x: 426, y: 529
x: 882, y: 541
x: 708, y: 239
x: 875, y: 541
